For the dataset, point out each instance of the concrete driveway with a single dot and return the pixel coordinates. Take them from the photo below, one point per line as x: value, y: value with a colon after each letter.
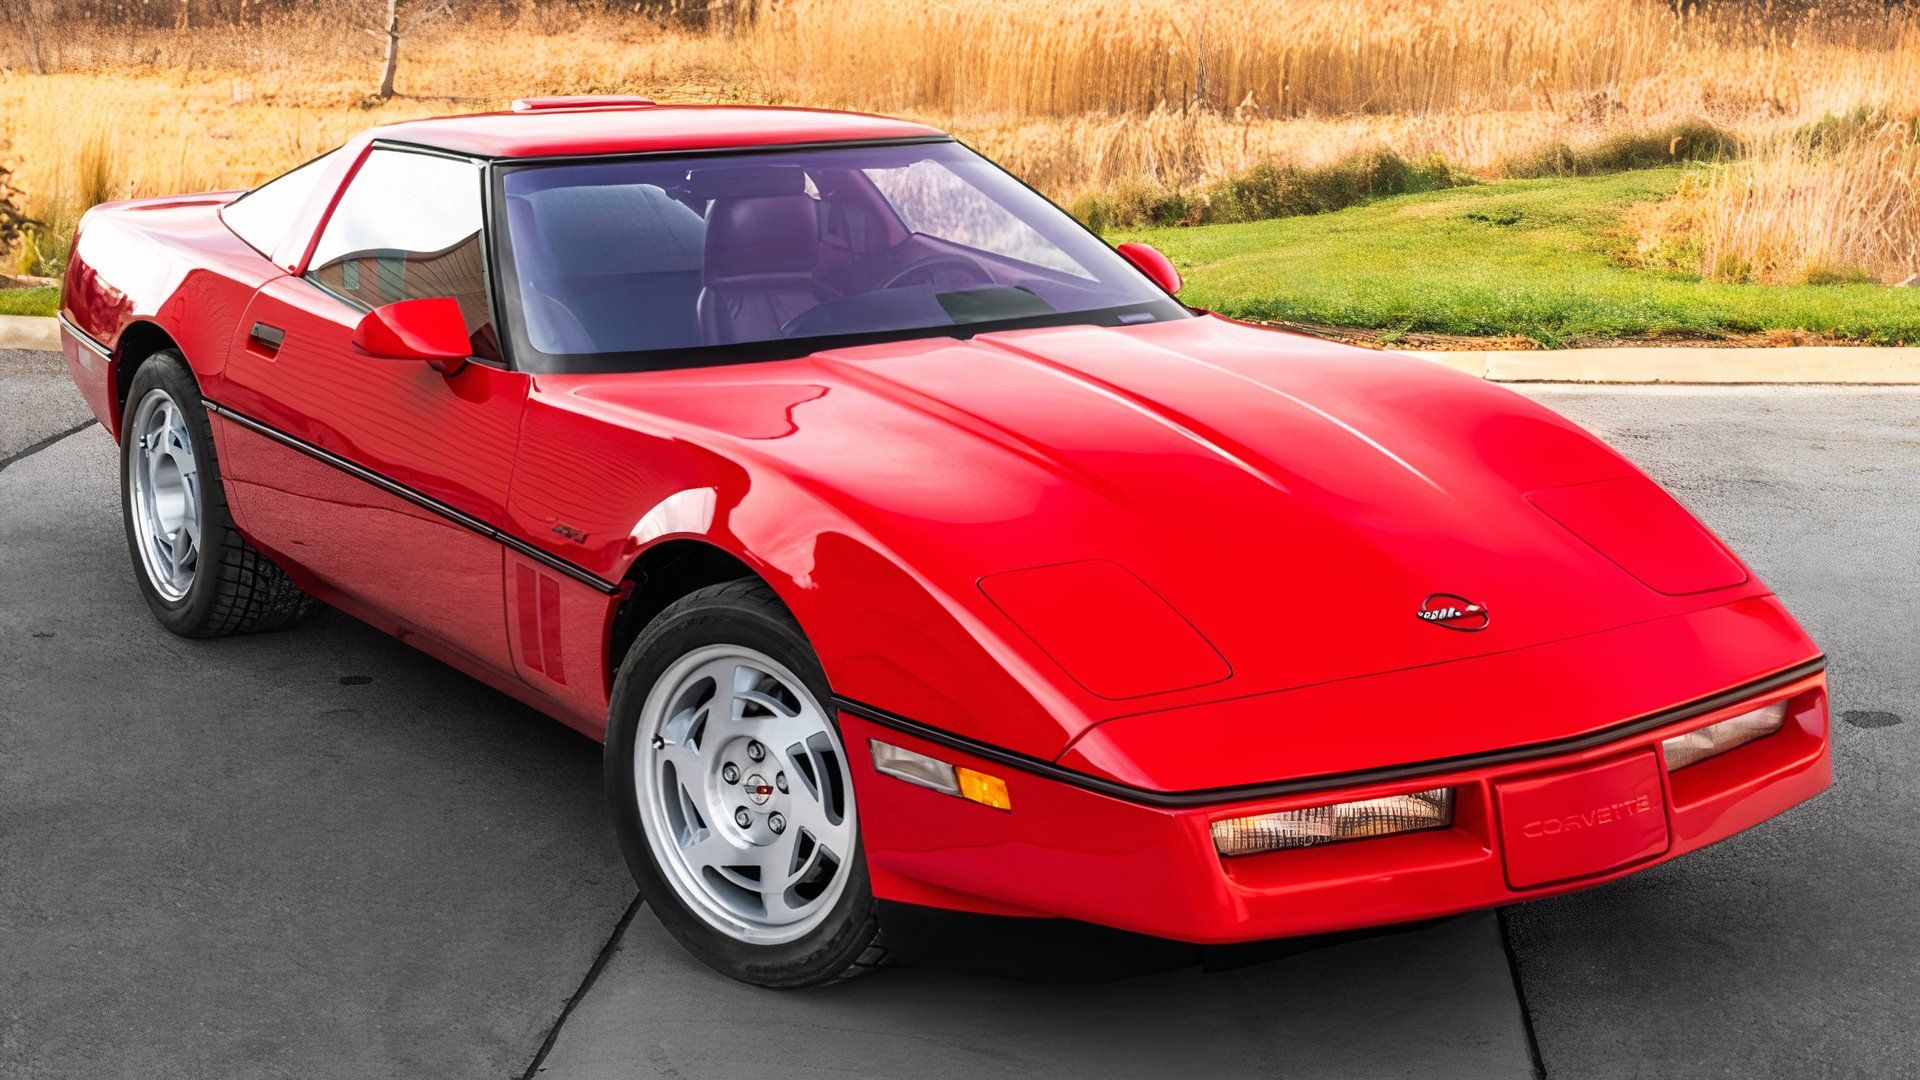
x: 319, y: 854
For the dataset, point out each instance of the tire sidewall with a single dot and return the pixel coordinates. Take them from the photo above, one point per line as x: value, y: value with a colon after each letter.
x: 829, y: 948
x: 168, y: 371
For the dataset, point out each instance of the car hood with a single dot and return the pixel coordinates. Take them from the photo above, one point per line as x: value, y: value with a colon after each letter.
x: 1289, y: 503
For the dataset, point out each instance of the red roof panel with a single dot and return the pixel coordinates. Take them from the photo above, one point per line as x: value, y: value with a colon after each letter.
x: 563, y: 132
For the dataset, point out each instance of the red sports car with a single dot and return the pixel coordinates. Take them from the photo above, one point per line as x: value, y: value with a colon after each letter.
x: 905, y: 542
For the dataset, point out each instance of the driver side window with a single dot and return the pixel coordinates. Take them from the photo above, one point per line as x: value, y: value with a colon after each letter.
x: 408, y: 227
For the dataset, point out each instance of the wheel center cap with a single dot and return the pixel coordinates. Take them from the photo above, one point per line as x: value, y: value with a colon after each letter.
x: 758, y: 789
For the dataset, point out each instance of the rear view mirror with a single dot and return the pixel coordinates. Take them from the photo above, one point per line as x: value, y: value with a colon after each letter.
x: 432, y: 330
x: 1146, y: 259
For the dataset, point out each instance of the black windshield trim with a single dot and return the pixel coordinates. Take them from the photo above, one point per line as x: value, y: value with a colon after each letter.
x: 510, y: 163
x: 753, y: 352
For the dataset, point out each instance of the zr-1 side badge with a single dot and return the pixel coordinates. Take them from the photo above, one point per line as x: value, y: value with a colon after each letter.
x: 1454, y: 612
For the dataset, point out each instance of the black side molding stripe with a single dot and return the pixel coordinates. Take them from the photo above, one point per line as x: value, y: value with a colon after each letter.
x: 1328, y: 781
x: 87, y: 341
x: 425, y: 502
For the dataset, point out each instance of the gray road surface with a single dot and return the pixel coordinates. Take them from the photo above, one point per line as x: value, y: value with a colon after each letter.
x: 37, y: 401
x: 319, y: 854
x: 1790, y: 950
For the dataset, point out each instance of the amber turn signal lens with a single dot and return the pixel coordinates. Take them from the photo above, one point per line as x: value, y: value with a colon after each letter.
x: 941, y: 776
x: 983, y: 789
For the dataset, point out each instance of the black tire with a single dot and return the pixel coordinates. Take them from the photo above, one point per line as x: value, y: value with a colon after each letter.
x: 235, y: 589
x: 745, y: 613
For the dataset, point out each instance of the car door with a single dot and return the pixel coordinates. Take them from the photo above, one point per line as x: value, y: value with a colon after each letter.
x: 381, y: 478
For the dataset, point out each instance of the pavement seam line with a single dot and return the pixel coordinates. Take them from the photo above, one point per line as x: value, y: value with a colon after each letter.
x: 44, y: 444
x: 586, y: 985
x: 1520, y: 995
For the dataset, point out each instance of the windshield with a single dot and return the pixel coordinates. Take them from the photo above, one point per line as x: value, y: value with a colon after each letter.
x: 646, y: 263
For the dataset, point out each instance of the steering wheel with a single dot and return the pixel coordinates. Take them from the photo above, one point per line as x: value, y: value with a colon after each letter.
x: 934, y: 262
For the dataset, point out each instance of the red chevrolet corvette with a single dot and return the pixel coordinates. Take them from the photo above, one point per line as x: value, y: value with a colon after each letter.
x: 904, y: 542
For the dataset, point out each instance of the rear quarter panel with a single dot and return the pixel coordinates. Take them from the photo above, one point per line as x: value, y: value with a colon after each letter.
x: 169, y: 263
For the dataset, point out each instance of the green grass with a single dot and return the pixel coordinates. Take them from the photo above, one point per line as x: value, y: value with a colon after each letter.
x: 1532, y: 258
x: 29, y: 301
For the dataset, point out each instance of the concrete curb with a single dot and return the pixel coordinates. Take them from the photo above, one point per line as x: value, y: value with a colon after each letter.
x: 1692, y: 366
x: 1697, y: 366
x: 29, y: 332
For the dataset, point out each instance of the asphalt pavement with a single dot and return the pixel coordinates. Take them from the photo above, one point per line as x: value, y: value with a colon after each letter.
x: 1793, y: 949
x: 320, y: 854
x: 37, y: 402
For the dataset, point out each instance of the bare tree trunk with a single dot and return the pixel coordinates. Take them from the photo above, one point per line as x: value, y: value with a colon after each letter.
x: 393, y: 49
x: 31, y: 19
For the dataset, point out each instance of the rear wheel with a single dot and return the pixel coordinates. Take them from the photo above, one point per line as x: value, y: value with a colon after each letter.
x: 200, y: 577
x: 731, y: 792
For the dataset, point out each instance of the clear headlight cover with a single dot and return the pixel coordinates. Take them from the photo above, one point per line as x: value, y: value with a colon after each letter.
x: 1411, y: 812
x: 1717, y: 738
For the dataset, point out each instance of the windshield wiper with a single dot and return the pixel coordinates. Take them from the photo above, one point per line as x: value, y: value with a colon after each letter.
x: 992, y: 303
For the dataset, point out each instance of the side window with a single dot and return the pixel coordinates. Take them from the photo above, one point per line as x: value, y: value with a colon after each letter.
x: 262, y: 216
x: 408, y: 228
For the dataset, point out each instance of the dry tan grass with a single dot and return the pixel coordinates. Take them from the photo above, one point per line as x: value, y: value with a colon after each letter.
x: 1067, y: 57
x: 1796, y: 213
x: 1075, y: 95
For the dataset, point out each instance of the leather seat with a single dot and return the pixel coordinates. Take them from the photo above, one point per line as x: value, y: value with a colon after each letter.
x: 551, y: 325
x: 759, y: 268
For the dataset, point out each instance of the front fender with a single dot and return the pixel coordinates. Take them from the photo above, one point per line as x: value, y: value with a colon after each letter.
x: 885, y: 634
x: 600, y: 491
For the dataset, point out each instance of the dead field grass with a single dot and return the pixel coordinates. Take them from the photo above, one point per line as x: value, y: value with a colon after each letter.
x: 1078, y: 96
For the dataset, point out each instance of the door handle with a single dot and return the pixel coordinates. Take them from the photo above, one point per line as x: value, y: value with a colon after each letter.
x: 266, y: 340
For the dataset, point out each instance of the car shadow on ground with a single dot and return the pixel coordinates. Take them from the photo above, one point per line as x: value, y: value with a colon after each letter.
x: 1435, y: 1001
x: 1062, y: 952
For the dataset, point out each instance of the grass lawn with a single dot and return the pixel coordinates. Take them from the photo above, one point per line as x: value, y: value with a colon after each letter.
x: 1527, y: 258
x: 29, y: 301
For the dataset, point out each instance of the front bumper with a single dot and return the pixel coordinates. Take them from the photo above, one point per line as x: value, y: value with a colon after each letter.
x: 1071, y: 851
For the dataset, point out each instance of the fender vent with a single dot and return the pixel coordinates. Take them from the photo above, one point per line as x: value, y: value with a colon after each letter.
x: 537, y: 602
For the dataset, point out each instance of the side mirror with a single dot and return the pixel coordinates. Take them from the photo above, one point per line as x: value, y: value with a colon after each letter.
x: 1150, y: 262
x: 432, y: 330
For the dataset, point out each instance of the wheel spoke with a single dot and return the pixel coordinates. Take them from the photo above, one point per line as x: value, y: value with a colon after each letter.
x: 686, y: 762
x: 775, y: 860
x: 190, y: 524
x: 183, y: 456
x: 709, y: 848
x: 725, y: 706
x: 780, y: 909
x: 778, y: 874
x: 768, y: 702
x: 806, y: 809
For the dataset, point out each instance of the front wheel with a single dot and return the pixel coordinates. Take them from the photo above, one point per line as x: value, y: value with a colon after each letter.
x: 731, y: 792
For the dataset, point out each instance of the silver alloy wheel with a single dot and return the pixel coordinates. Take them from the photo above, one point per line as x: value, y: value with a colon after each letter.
x: 166, y: 494
x: 744, y: 794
